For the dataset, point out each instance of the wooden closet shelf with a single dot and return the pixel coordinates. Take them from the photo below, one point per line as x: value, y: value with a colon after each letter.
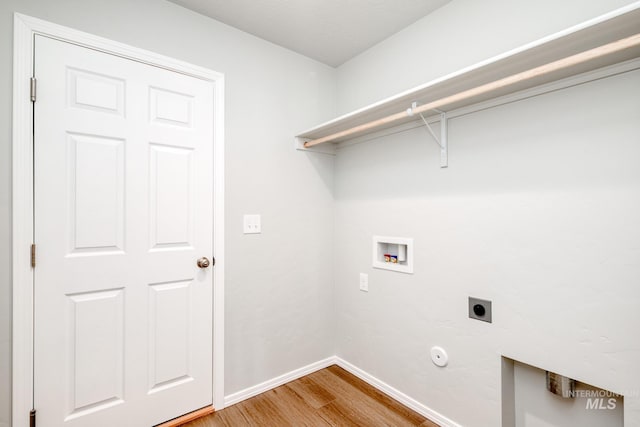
x: 607, y: 40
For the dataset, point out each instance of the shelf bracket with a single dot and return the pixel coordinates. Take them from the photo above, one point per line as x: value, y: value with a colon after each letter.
x: 442, y: 141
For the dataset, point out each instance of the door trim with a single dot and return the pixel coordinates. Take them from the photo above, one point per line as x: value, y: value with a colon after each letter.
x: 25, y: 28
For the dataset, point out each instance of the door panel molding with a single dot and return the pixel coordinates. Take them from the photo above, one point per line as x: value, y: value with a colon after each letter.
x: 25, y: 28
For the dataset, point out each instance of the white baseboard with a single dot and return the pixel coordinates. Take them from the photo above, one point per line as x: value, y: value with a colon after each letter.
x: 385, y: 388
x: 396, y: 394
x: 241, y: 395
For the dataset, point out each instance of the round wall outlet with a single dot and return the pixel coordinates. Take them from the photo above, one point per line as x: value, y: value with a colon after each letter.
x: 479, y: 310
x: 439, y: 356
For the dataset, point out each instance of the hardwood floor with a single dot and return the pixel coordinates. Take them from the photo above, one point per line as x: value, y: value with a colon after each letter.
x: 329, y: 397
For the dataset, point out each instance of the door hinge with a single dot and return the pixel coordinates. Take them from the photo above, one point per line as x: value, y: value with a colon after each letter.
x: 32, y: 418
x: 33, y: 89
x: 33, y: 255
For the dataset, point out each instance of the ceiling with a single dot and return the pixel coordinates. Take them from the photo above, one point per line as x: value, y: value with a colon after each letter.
x: 330, y: 31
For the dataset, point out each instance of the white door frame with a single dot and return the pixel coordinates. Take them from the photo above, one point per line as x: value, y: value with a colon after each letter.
x: 25, y: 28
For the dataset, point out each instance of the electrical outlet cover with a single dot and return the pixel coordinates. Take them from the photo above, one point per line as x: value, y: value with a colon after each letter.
x: 252, y: 224
x: 364, y: 282
x: 480, y: 309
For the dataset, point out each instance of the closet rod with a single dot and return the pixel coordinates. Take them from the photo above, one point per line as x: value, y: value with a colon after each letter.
x: 560, y: 64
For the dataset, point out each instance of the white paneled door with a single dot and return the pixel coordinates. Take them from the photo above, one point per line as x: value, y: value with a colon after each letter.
x: 123, y: 211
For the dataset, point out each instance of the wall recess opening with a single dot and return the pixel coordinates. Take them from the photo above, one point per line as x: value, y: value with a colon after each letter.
x: 529, y: 401
x: 393, y: 253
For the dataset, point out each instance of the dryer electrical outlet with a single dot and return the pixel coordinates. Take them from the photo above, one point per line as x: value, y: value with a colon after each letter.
x: 480, y: 309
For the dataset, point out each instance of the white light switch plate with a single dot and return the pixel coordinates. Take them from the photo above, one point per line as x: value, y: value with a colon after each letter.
x: 364, y: 282
x: 252, y: 224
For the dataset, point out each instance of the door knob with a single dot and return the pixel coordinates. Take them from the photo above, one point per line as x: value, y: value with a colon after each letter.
x: 204, y: 262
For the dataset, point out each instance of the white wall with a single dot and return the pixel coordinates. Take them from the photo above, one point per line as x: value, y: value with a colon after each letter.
x: 278, y: 289
x: 536, y: 212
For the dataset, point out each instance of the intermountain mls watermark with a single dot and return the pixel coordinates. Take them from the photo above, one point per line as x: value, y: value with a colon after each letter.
x: 600, y: 399
x: 596, y: 398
